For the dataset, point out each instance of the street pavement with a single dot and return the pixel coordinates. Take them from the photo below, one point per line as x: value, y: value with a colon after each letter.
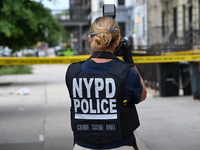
x: 40, y: 120
x: 170, y: 123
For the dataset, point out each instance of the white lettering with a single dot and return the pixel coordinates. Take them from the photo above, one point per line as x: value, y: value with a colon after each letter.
x: 76, y: 104
x: 88, y: 86
x: 77, y: 87
x: 91, y: 107
x: 98, y: 106
x: 104, y: 101
x: 99, y: 85
x: 97, y: 127
x: 86, y: 109
x: 110, y: 94
x: 110, y: 127
x: 112, y: 103
x: 82, y: 127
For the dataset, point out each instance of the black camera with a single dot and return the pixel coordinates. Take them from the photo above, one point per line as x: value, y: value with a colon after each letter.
x: 109, y: 10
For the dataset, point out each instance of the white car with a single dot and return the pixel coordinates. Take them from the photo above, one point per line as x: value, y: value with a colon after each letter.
x: 5, y: 51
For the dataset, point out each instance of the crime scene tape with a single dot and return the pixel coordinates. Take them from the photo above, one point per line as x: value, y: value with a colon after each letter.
x: 188, y: 52
x: 72, y: 59
x: 196, y: 51
x: 41, y: 60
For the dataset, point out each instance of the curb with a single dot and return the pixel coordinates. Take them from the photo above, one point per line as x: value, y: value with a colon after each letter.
x: 140, y: 143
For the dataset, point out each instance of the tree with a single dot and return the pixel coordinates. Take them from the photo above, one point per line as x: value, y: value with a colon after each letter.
x: 25, y: 22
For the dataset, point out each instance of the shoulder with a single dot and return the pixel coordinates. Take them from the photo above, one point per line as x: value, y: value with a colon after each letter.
x: 133, y: 71
x: 133, y: 76
x: 122, y: 63
x: 74, y: 67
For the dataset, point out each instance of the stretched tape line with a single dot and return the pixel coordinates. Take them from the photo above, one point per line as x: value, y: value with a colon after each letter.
x: 72, y: 59
x: 196, y: 51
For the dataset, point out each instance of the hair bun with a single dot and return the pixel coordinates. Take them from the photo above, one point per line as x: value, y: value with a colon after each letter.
x: 104, y: 31
x: 103, y: 39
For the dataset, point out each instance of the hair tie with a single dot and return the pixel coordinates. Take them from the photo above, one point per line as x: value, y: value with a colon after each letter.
x: 95, y: 33
x: 111, y: 30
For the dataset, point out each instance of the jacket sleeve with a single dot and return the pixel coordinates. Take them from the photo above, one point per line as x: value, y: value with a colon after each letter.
x: 133, y: 87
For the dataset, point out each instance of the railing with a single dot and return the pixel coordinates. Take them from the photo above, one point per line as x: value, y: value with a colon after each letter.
x: 189, y: 41
x: 74, y: 14
x: 177, y: 29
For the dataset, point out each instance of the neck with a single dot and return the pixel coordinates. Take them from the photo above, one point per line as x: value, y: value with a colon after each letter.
x: 105, y: 50
x: 101, y: 60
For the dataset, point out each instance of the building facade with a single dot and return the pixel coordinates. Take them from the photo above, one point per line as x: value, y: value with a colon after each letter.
x: 157, y: 25
x: 76, y: 20
x: 123, y: 13
x: 166, y: 25
x: 181, y: 23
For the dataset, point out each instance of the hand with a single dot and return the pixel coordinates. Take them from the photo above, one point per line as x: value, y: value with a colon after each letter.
x: 127, y: 52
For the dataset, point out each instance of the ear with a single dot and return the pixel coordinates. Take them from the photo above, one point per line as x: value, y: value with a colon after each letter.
x: 90, y: 38
x: 117, y: 42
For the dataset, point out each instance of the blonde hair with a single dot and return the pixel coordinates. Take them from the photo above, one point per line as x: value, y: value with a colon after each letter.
x: 104, y: 32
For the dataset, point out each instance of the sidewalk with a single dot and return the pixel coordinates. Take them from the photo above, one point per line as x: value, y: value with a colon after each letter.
x: 39, y: 120
x: 167, y: 123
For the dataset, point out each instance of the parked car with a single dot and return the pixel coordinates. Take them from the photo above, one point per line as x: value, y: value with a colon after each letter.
x: 25, y: 53
x: 5, y: 51
x: 63, y: 51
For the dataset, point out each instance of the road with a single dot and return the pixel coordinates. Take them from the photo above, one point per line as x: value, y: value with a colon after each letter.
x: 40, y: 120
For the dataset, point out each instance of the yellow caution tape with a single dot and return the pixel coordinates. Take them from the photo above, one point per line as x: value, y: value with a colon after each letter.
x: 165, y: 59
x: 196, y: 51
x: 41, y: 60
x: 72, y: 59
x: 188, y: 52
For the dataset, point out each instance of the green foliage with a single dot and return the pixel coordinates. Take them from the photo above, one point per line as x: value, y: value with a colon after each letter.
x: 25, y: 22
x: 20, y: 69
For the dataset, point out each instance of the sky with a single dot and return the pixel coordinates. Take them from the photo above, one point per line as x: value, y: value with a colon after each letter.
x: 56, y: 4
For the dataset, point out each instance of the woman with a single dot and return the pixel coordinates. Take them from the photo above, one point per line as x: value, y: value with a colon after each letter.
x: 103, y: 92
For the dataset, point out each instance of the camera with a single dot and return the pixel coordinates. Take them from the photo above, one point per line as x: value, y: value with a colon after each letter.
x: 109, y: 10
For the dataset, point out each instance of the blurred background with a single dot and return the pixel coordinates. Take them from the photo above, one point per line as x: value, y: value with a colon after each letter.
x: 59, y: 28
x: 155, y: 25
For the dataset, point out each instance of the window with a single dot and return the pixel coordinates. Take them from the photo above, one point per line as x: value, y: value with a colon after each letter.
x: 199, y: 14
x: 101, y: 2
x: 122, y: 28
x: 190, y: 17
x: 121, y: 2
x: 175, y: 20
x: 143, y: 26
x: 184, y: 20
x: 163, y: 23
